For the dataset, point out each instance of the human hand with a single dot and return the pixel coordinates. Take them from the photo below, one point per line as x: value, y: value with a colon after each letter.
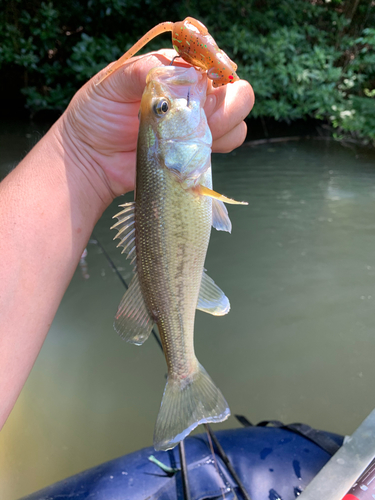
x: 99, y: 129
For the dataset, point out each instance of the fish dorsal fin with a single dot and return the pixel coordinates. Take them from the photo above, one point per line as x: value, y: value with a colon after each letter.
x: 125, y: 230
x: 133, y: 322
x: 205, y: 191
x: 212, y: 299
x: 220, y: 217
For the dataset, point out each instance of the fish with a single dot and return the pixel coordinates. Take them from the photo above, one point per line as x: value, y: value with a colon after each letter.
x: 192, y: 41
x: 165, y: 233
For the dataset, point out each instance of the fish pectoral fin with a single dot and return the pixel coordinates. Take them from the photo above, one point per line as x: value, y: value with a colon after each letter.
x: 205, y: 191
x: 133, y: 322
x: 212, y: 299
x: 220, y: 217
x: 187, y: 403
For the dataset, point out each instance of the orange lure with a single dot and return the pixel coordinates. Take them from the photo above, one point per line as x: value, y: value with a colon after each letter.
x: 192, y: 41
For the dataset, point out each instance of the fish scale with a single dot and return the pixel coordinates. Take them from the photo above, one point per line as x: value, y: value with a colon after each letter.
x: 170, y: 257
x: 171, y: 218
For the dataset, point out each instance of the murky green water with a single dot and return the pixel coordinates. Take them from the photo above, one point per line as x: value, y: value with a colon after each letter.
x: 298, y: 344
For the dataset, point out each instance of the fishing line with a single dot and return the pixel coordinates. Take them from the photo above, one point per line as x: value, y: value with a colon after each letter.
x: 209, y: 431
x: 181, y: 446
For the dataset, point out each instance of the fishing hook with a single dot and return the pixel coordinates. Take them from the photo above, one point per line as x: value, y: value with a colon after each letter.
x: 175, y: 57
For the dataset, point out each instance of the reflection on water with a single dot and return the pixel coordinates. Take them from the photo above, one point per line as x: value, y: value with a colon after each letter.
x: 298, y: 344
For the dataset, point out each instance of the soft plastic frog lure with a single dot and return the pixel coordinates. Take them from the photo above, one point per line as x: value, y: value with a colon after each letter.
x: 195, y: 45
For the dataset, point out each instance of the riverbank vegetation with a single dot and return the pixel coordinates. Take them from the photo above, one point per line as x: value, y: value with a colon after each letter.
x: 304, y: 58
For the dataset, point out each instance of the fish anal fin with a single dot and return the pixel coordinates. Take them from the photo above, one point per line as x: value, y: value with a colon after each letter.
x: 212, y: 299
x: 205, y: 191
x: 220, y: 217
x: 186, y: 404
x: 133, y: 322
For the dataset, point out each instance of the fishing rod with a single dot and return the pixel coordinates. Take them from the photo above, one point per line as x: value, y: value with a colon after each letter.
x: 181, y: 446
x: 209, y: 431
x: 184, y: 470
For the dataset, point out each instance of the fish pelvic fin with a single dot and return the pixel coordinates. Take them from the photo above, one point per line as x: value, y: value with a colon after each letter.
x: 133, y: 322
x: 212, y: 299
x: 205, y: 191
x: 186, y: 404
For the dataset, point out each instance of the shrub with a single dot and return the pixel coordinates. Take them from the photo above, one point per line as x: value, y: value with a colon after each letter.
x: 304, y: 58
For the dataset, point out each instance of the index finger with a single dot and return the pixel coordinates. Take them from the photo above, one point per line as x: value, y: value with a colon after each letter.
x: 128, y: 82
x: 226, y: 107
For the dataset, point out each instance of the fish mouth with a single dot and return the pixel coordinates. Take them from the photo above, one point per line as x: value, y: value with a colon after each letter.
x: 177, y: 83
x: 174, y: 75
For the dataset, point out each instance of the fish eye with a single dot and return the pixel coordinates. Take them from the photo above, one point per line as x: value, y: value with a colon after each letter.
x: 161, y: 107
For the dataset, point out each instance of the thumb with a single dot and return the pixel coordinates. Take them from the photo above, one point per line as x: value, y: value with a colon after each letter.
x: 128, y: 82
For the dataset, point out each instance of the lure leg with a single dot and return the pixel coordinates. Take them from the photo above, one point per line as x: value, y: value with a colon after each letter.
x: 154, y: 32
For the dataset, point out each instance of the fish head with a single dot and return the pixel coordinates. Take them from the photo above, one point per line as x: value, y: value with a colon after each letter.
x: 173, y: 119
x: 173, y: 100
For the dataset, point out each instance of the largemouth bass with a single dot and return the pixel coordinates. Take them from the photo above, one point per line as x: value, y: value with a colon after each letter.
x: 166, y: 233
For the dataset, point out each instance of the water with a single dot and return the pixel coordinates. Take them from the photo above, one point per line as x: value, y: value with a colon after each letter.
x: 297, y: 346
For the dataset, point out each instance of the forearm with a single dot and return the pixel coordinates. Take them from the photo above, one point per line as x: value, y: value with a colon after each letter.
x: 48, y: 207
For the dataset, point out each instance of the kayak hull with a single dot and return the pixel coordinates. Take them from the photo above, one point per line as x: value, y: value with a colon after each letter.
x: 272, y: 463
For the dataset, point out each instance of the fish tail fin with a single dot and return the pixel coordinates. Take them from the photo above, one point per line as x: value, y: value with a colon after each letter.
x: 187, y: 403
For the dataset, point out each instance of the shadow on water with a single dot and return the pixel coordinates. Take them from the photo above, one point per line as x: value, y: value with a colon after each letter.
x: 298, y: 344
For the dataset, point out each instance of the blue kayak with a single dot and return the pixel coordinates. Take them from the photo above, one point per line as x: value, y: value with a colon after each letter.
x: 273, y: 463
